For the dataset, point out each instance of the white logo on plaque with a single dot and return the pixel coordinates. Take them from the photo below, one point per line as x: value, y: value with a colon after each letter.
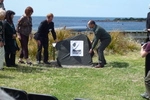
x: 76, y: 48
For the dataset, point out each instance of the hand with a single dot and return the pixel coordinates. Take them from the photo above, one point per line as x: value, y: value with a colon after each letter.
x: 56, y: 40
x: 31, y: 36
x: 148, y: 29
x: 144, y: 45
x: 38, y: 42
x: 1, y: 44
x: 90, y: 51
x: 19, y: 37
x: 14, y: 36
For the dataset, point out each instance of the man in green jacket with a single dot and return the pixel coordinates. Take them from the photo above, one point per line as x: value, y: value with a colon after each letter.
x: 105, y: 39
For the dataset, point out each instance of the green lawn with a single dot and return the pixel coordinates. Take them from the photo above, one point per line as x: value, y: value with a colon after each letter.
x: 121, y: 79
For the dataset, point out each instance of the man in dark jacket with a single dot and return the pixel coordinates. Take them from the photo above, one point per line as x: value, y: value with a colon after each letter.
x: 41, y: 36
x: 105, y: 39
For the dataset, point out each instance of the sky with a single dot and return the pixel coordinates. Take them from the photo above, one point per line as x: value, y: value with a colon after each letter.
x: 82, y: 8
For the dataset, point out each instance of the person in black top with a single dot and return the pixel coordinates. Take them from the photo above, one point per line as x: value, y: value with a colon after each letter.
x: 10, y: 39
x: 41, y: 36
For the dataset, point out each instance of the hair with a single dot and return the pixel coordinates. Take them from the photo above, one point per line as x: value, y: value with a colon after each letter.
x: 50, y: 15
x: 92, y: 22
x: 5, y: 96
x: 2, y: 14
x: 28, y: 10
x: 8, y: 16
x: 1, y: 1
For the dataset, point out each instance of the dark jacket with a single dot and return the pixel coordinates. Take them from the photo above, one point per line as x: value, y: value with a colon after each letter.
x: 100, y: 34
x: 148, y: 21
x: 10, y: 43
x: 24, y: 25
x: 2, y: 37
x: 43, y: 30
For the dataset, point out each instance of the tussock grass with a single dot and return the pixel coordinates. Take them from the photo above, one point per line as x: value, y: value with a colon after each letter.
x: 120, y: 43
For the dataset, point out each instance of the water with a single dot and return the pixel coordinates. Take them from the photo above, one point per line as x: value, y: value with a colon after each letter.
x: 82, y: 22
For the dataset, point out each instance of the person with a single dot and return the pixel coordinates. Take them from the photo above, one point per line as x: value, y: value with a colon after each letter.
x: 10, y: 39
x: 41, y: 36
x: 145, y: 53
x: 2, y: 4
x: 24, y: 29
x: 2, y: 38
x: 105, y: 39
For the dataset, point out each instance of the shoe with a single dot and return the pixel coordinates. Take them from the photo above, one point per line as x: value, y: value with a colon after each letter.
x: 38, y: 62
x: 14, y: 65
x: 145, y: 95
x: 105, y: 63
x: 21, y: 62
x: 99, y: 66
x: 47, y: 63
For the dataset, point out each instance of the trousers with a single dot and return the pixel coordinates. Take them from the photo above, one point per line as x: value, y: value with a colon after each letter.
x: 2, y: 52
x: 24, y: 46
x: 44, y: 45
x: 100, y: 50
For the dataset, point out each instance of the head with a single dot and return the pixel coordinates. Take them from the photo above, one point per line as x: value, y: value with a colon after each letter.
x: 1, y: 1
x: 2, y: 14
x: 91, y: 24
x: 9, y: 16
x: 50, y: 17
x: 29, y: 11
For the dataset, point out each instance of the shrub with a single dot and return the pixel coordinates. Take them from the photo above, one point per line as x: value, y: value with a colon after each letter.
x: 61, y: 35
x: 120, y: 43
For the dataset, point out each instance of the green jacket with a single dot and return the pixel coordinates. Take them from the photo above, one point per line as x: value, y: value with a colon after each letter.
x: 100, y: 34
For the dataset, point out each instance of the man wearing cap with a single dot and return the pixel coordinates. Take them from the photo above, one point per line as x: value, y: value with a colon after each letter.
x: 105, y: 39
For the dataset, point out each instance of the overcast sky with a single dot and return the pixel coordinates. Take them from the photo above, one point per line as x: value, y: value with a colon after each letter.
x: 82, y: 8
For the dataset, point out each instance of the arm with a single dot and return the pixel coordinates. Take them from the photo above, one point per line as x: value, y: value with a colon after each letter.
x: 40, y: 28
x: 95, y: 40
x: 18, y: 27
x: 143, y: 52
x: 53, y: 32
x: 145, y: 49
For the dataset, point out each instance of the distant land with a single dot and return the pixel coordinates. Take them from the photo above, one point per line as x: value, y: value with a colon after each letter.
x: 122, y: 19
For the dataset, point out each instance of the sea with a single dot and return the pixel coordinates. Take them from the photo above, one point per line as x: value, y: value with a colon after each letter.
x: 81, y: 22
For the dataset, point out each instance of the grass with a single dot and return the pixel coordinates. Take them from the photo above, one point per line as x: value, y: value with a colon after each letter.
x: 121, y: 79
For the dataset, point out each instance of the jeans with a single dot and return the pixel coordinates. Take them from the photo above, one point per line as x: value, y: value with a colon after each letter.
x: 2, y: 52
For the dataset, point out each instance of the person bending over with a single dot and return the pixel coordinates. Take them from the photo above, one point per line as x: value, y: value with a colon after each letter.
x: 41, y: 36
x: 105, y: 39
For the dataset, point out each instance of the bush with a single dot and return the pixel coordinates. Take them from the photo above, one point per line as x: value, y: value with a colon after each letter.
x: 120, y: 43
